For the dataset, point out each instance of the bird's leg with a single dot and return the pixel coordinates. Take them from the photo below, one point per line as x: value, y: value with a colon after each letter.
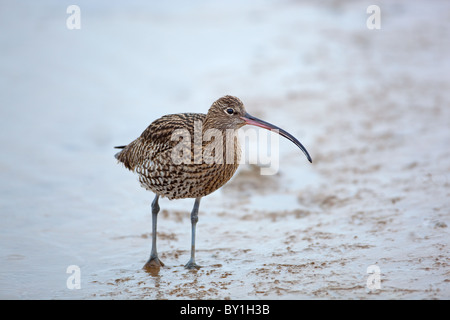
x: 154, y: 261
x: 194, y: 219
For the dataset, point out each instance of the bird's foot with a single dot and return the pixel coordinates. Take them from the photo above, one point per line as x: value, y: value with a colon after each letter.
x: 153, y: 262
x: 192, y: 265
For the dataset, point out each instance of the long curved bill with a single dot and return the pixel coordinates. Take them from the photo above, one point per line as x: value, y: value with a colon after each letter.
x: 249, y: 119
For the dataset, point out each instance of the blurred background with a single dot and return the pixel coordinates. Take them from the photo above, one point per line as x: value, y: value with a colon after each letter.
x: 371, y: 106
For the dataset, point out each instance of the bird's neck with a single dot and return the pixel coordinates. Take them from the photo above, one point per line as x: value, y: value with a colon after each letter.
x: 209, y: 124
x: 222, y: 140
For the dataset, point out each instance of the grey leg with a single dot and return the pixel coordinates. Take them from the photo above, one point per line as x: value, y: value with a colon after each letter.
x: 194, y: 219
x: 154, y: 261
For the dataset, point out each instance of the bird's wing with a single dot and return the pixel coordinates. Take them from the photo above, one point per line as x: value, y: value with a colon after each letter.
x: 158, y: 138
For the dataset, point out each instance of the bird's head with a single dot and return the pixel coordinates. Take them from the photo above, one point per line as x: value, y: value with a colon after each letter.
x: 229, y: 112
x: 226, y: 113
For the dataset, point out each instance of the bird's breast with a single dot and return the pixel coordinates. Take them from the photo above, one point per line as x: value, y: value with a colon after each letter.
x: 192, y: 171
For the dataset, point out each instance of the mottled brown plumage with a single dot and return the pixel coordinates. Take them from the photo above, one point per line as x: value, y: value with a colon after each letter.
x: 150, y: 155
x: 190, y: 155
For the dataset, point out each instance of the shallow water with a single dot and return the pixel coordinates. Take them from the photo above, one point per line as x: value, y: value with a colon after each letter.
x: 371, y: 107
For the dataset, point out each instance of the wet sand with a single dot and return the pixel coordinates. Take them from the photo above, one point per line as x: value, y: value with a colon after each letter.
x: 371, y: 106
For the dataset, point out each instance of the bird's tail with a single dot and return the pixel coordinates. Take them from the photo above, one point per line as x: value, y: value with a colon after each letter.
x: 117, y: 154
x: 128, y: 155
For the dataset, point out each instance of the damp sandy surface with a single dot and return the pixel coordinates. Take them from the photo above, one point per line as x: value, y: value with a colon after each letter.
x: 371, y: 106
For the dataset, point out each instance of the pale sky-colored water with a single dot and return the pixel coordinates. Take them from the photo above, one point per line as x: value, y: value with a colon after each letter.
x: 369, y: 105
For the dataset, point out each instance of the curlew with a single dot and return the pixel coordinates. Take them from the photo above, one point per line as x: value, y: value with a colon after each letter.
x: 190, y: 155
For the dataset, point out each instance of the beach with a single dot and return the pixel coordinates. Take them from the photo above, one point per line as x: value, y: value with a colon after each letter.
x: 367, y: 219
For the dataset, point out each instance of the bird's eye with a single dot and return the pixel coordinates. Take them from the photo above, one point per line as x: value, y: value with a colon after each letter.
x: 229, y: 111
